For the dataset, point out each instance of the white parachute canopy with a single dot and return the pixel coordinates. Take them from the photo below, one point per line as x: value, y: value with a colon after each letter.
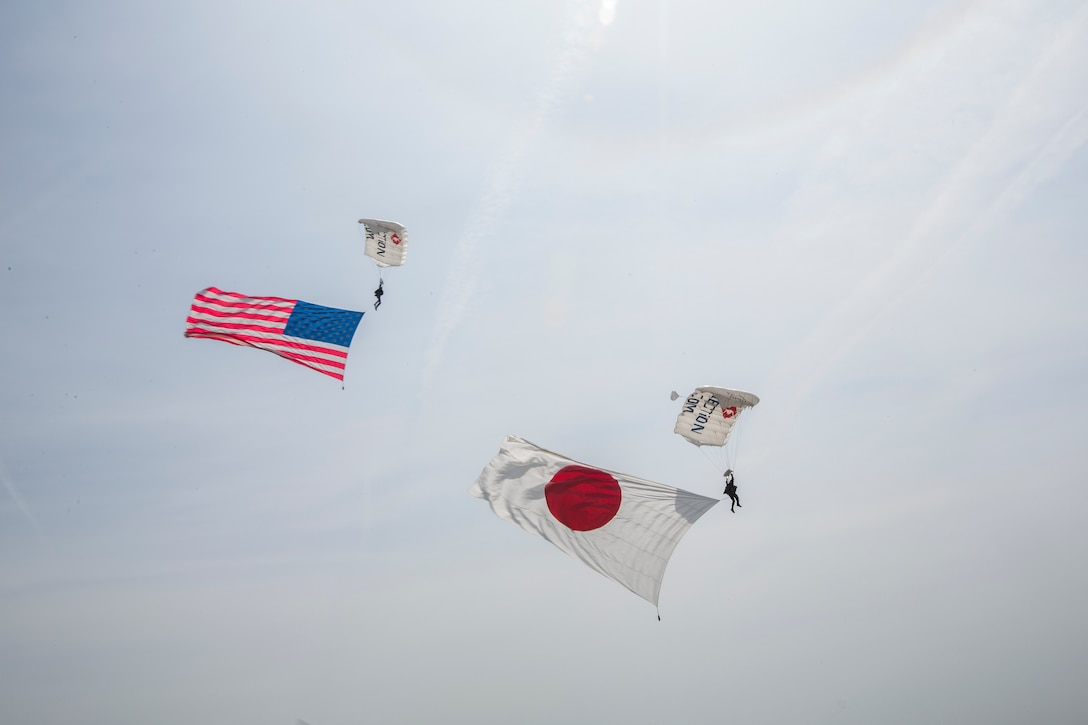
x: 386, y: 242
x: 708, y: 417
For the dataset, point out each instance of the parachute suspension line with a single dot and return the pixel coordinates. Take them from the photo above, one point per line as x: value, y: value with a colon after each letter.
x: 734, y: 455
x: 715, y: 463
x: 737, y: 439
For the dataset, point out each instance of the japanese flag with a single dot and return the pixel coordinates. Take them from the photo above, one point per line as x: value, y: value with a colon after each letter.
x: 623, y: 527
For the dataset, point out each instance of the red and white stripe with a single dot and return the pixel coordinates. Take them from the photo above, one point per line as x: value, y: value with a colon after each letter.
x: 259, y: 322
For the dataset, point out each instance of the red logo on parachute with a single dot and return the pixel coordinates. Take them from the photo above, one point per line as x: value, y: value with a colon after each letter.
x: 395, y: 238
x: 729, y: 412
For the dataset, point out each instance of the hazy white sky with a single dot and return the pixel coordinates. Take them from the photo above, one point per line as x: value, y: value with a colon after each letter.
x: 872, y: 215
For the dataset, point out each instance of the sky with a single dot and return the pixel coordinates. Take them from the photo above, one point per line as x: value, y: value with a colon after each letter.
x: 871, y: 215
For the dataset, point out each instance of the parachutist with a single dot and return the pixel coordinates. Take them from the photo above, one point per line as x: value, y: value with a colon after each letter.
x: 731, y: 490
x: 378, y: 294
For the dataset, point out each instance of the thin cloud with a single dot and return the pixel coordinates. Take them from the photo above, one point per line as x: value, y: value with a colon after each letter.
x: 1009, y: 142
x: 20, y: 502
x: 583, y: 35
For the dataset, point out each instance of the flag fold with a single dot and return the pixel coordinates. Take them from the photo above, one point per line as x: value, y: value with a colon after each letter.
x: 308, y: 334
x: 623, y: 527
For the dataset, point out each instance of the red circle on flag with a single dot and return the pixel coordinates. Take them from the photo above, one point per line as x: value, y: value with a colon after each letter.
x: 583, y: 498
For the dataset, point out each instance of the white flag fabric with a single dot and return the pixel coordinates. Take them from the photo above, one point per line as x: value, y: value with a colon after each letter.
x: 623, y: 527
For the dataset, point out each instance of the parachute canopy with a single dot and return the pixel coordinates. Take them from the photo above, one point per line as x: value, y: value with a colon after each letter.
x: 386, y: 242
x: 709, y: 414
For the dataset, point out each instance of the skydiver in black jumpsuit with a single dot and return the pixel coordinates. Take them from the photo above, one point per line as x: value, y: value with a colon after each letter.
x: 731, y: 490
x: 378, y: 294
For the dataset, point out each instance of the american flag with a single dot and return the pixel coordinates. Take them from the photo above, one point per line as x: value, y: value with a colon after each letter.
x: 308, y: 334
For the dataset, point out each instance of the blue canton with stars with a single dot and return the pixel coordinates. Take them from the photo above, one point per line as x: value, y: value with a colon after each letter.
x: 323, y: 324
